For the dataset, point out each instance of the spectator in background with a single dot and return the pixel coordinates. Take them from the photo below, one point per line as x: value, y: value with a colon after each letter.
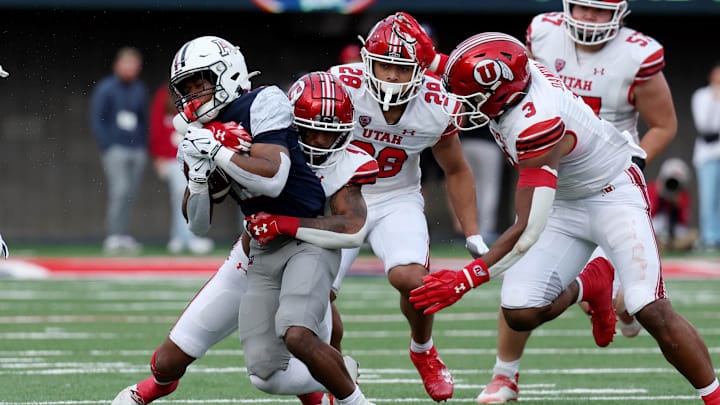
x: 118, y: 118
x: 706, y: 158
x: 350, y: 54
x: 164, y: 141
x: 670, y: 206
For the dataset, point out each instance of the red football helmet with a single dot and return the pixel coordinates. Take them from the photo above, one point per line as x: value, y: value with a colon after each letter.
x: 488, y: 73
x: 322, y: 104
x: 387, y: 44
x: 592, y: 33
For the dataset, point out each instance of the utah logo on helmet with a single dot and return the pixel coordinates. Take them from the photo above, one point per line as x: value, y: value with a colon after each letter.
x: 488, y: 73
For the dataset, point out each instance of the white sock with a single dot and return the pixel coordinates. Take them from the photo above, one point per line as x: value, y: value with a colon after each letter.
x: 416, y: 347
x: 295, y: 379
x: 506, y: 368
x: 356, y: 397
x: 580, y: 290
x: 709, y: 389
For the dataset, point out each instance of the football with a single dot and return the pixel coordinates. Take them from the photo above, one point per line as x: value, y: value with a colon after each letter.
x: 218, y: 184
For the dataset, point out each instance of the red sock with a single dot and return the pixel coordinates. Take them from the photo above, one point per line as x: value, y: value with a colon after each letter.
x: 150, y: 390
x: 591, y: 278
x: 313, y: 398
x: 712, y: 398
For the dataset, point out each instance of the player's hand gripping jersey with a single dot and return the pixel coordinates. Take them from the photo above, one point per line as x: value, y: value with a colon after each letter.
x: 396, y: 147
x: 539, y: 121
x: 267, y: 115
x: 604, y: 79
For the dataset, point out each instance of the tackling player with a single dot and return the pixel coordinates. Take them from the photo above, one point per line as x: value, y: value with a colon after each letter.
x: 577, y: 190
x: 617, y: 71
x: 211, y: 81
x: 399, y: 115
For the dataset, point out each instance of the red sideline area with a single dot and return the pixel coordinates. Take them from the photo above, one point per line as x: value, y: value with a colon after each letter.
x: 109, y: 267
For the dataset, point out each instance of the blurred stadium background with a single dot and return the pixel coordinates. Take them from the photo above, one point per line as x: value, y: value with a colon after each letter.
x: 52, y: 187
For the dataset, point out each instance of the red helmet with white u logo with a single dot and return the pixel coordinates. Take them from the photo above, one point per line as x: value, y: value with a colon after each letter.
x: 321, y: 103
x: 488, y: 73
x: 593, y: 33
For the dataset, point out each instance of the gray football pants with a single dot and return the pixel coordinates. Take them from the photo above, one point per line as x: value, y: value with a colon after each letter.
x: 288, y: 285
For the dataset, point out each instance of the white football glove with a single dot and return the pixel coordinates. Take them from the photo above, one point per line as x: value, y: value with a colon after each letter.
x: 201, y: 143
x: 199, y: 169
x: 4, y: 252
x: 476, y: 246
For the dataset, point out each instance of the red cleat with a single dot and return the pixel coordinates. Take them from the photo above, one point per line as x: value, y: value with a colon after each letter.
x: 313, y: 398
x: 436, y: 377
x: 597, y: 280
x: 501, y: 389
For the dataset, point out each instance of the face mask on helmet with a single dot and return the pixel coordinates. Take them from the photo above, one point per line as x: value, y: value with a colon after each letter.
x: 207, y: 74
x: 486, y: 74
x: 322, y: 110
x: 386, y: 46
x: 594, y: 33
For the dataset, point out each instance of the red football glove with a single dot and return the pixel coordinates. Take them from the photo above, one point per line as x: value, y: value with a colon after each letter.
x: 407, y: 28
x: 265, y: 227
x: 443, y: 288
x: 231, y: 135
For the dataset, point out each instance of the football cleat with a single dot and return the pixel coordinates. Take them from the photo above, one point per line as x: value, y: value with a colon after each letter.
x: 629, y: 325
x: 128, y: 396
x: 435, y: 375
x: 501, y: 389
x: 597, y: 280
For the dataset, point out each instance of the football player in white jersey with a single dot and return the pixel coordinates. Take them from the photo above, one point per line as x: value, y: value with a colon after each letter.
x: 212, y: 315
x: 618, y: 72
x: 399, y: 115
x: 577, y: 189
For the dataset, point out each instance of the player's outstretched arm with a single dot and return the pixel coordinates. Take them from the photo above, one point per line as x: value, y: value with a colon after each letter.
x: 344, y: 228
x: 461, y: 189
x: 533, y: 200
x: 653, y: 101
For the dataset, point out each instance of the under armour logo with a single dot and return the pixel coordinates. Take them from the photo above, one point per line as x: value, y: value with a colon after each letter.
x: 220, y: 135
x: 260, y: 229
x: 410, y: 132
x: 600, y: 71
x: 446, y: 376
x: 459, y: 288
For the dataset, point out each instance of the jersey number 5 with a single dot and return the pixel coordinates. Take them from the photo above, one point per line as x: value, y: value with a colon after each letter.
x: 389, y: 159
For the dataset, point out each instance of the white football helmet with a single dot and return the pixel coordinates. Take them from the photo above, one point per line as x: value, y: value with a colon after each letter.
x: 220, y: 64
x: 589, y: 33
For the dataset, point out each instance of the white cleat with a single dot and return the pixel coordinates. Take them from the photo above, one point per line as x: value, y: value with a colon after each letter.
x: 501, y: 389
x: 128, y: 396
x: 353, y: 368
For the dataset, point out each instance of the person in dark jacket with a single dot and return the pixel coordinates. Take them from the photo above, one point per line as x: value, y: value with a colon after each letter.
x: 119, y: 121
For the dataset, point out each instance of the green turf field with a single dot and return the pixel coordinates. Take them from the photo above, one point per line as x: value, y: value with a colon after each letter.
x: 75, y: 342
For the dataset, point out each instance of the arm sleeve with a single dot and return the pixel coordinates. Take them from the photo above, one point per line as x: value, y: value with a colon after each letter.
x: 99, y: 115
x: 269, y: 186
x: 198, y: 211
x: 332, y: 240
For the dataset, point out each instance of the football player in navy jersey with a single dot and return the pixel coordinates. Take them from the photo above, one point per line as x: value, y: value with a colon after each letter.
x: 282, y: 310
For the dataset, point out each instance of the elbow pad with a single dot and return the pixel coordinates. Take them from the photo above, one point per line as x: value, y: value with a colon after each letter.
x: 269, y: 186
x: 332, y: 240
x: 198, y: 210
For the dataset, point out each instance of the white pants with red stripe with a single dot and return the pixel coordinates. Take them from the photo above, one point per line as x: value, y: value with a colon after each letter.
x: 397, y: 234
x: 617, y: 220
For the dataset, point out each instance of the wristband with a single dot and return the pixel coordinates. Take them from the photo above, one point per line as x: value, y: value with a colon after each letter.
x: 288, y: 225
x: 476, y: 272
